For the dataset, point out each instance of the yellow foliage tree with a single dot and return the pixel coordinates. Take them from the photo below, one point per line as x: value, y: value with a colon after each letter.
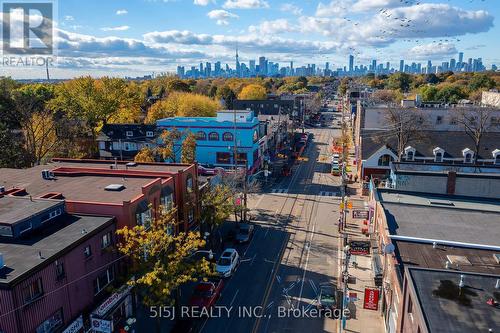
x: 253, y: 91
x: 184, y: 105
x: 188, y: 153
x: 145, y: 155
x: 161, y: 259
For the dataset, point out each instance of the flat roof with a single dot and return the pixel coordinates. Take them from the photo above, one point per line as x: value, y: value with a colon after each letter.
x: 446, y: 308
x: 16, y: 209
x: 446, y: 218
x: 122, y: 165
x: 425, y: 256
x: 22, y: 255
x: 77, y: 188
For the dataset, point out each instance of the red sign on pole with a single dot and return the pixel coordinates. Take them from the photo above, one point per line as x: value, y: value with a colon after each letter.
x: 371, y: 299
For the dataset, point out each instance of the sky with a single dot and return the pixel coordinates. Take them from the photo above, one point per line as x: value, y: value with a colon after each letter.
x: 141, y: 37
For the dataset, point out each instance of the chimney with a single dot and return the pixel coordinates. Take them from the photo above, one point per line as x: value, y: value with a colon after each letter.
x: 451, y: 182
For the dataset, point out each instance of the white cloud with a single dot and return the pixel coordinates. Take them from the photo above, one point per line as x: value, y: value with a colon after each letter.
x: 69, y: 18
x: 119, y: 28
x: 291, y: 8
x: 272, y: 27
x: 121, y: 12
x: 245, y: 4
x: 433, y: 51
x: 334, y: 8
x: 221, y: 16
x: 366, y: 5
x: 203, y: 2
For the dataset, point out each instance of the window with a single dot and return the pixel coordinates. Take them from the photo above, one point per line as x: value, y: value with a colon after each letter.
x: 468, y: 158
x: 213, y: 136
x: 242, y: 158
x: 150, y: 134
x: 227, y: 136
x: 127, y: 146
x: 497, y: 159
x: 439, y: 157
x: 103, y: 280
x: 60, y: 270
x: 201, y: 135
x: 52, y: 323
x: 87, y: 251
x: 33, y: 291
x: 223, y: 158
x: 106, y: 240
x: 102, y: 145
x: 255, y: 136
x: 410, y: 155
x: 191, y: 215
x: 129, y: 133
x: 167, y: 201
x: 495, y: 122
x: 144, y: 218
x: 410, y: 305
x: 439, y: 120
x: 385, y: 160
x: 189, y: 183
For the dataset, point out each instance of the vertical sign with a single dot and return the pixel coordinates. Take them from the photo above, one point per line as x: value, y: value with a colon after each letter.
x: 371, y: 299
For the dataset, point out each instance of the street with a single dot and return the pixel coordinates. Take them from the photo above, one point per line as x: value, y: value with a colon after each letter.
x: 294, y: 249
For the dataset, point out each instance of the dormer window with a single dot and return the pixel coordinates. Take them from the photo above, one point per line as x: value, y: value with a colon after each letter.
x: 150, y: 134
x: 468, y: 155
x: 496, y: 156
x: 410, y: 153
x: 438, y: 154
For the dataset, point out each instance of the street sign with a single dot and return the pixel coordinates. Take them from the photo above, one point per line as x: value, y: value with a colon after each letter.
x: 360, y: 214
x: 341, y: 205
x: 371, y: 299
x: 359, y: 247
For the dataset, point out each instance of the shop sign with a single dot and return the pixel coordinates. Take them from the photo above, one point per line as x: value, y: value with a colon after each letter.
x: 75, y: 326
x: 359, y: 247
x: 111, y: 301
x: 101, y: 325
x: 371, y: 299
x: 359, y: 214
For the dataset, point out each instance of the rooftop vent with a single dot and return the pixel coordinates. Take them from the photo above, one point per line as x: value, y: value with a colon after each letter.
x: 47, y: 174
x: 441, y: 202
x: 458, y: 260
x: 115, y: 187
x: 461, y: 284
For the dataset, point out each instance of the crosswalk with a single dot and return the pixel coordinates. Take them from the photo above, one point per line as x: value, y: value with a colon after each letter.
x: 328, y: 194
x: 279, y: 190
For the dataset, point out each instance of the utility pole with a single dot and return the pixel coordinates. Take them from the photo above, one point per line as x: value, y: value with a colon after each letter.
x: 345, y: 275
x: 235, y: 148
x: 303, y: 115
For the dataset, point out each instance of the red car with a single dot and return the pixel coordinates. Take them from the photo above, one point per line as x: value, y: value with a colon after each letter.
x: 206, y: 293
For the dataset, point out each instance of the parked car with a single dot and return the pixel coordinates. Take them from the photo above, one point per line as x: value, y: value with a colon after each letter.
x: 206, y: 293
x: 327, y: 297
x: 336, y: 158
x: 227, y: 263
x: 245, y: 232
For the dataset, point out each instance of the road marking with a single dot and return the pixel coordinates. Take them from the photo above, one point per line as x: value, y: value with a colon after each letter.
x: 269, y: 261
x: 311, y: 282
x: 234, y: 297
x: 278, y: 278
x: 328, y: 194
x: 270, y: 304
x: 279, y: 190
x: 253, y: 259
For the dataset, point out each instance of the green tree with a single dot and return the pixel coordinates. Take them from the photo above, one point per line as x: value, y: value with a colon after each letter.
x: 178, y: 85
x: 227, y: 95
x: 481, y: 81
x: 218, y: 205
x: 161, y: 259
x: 450, y: 93
x: 188, y: 153
x: 428, y: 93
x: 13, y: 153
x: 399, y: 81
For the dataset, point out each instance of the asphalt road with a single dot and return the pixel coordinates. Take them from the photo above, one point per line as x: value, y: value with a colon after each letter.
x: 293, y: 250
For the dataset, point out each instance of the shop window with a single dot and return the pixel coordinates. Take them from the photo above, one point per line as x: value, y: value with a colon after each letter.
x: 51, y: 324
x: 103, y: 280
x: 223, y: 158
x: 242, y: 158
x: 227, y: 136
x: 33, y: 291
x: 213, y: 136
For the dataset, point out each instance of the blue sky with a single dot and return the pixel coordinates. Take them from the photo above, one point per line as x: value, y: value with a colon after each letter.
x: 137, y: 37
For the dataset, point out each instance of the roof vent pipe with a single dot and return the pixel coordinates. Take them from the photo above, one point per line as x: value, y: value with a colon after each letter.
x: 461, y: 284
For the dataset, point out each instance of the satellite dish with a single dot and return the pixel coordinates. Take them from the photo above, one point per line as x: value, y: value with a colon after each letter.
x: 389, y: 248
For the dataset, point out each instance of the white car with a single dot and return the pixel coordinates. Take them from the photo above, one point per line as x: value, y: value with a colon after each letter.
x: 335, y: 158
x: 227, y: 263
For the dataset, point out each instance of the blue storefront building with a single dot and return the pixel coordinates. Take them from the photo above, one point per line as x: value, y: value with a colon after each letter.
x: 216, y: 137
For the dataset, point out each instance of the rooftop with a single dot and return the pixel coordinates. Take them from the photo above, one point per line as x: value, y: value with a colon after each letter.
x: 442, y: 217
x: 15, y: 209
x: 21, y: 256
x: 81, y: 186
x: 446, y: 308
x: 443, y: 168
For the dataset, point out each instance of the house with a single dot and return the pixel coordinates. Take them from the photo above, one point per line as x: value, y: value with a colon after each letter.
x: 54, y: 266
x: 124, y: 141
x: 444, y: 178
x: 220, y: 138
x: 267, y: 107
x: 441, y: 139
x: 132, y: 192
x: 458, y: 234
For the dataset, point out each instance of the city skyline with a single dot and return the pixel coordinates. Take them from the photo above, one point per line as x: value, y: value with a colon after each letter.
x: 115, y: 40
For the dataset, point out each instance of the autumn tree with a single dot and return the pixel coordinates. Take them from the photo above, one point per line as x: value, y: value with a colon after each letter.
x: 169, y: 147
x: 476, y: 123
x: 188, y: 151
x: 177, y: 85
x: 399, y: 81
x: 406, y: 126
x: 227, y: 95
x: 253, y: 91
x: 36, y: 120
x: 145, y: 155
x: 13, y: 153
x: 161, y: 259
x: 182, y: 105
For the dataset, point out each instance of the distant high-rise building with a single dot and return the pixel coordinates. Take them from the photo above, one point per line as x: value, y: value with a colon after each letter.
x: 460, y: 57
x: 387, y: 66
x: 453, y: 65
x: 327, y: 66
x: 238, y: 69
x: 252, y: 67
x: 374, y: 65
x: 401, y: 65
x: 262, y: 66
x: 351, y: 63
x: 217, y: 68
